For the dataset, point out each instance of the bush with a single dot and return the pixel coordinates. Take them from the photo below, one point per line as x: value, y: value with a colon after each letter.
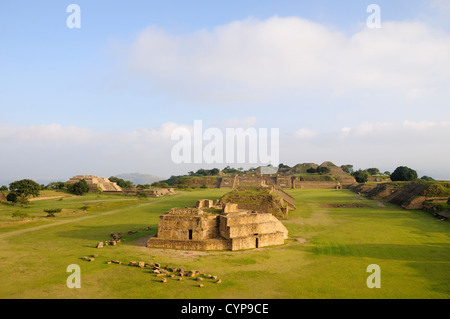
x: 160, y: 185
x: 403, y: 173
x: 79, y: 188
x: 373, y: 171
x: 84, y: 208
x: 361, y: 176
x: 12, y: 197
x: 141, y: 195
x: 19, y: 214
x: 51, y: 212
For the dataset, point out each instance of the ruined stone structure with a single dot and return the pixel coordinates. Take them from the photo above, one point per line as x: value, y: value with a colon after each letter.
x: 289, y: 182
x: 209, y: 227
x: 95, y: 182
x: 271, y: 199
x: 2, y: 197
x: 291, y: 178
x: 149, y: 192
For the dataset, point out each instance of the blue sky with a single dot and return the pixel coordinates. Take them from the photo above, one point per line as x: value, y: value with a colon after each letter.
x: 109, y: 78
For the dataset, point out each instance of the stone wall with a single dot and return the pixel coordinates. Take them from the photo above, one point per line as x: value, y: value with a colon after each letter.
x: 314, y: 185
x: 284, y: 181
x: 226, y: 182
x: 182, y: 227
x: 2, y: 197
x: 270, y: 180
x: 210, y: 244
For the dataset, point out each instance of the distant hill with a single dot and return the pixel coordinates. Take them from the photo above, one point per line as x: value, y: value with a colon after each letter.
x: 138, y: 178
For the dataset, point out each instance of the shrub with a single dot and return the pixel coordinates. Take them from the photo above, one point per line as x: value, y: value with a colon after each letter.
x: 12, y: 197
x: 51, y: 212
x: 361, y: 176
x: 403, y: 173
x: 141, y: 195
x: 79, y: 188
x: 19, y: 214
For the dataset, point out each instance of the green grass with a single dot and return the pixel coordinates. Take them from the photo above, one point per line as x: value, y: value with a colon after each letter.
x: 412, y: 249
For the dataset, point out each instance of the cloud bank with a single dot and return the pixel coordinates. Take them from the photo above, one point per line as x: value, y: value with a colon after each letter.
x: 252, y: 61
x: 55, y: 151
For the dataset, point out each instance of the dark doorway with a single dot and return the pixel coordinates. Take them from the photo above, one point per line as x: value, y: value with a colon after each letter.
x: 190, y: 234
x: 257, y: 243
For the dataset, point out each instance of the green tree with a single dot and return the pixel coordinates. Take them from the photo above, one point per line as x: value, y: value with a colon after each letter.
x: 361, y: 176
x: 427, y: 178
x: 3, y: 188
x: 214, y: 172
x: 373, y: 171
x: 51, y: 212
x: 79, y: 188
x: 56, y: 185
x: 404, y: 173
x: 141, y: 195
x: 12, y: 197
x: 121, y: 182
x: 25, y: 188
x: 347, y: 168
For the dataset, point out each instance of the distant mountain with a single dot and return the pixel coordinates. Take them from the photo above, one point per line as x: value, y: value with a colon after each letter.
x: 138, y: 178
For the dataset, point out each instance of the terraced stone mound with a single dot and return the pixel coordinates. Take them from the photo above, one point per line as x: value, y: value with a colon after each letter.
x: 263, y: 199
x: 95, y: 183
x: 431, y: 197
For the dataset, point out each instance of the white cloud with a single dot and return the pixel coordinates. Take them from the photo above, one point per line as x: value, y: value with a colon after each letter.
x: 305, y: 133
x: 421, y: 145
x: 253, y: 60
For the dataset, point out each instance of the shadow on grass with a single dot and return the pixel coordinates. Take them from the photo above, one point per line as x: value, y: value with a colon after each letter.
x: 435, y: 273
x: 428, y: 252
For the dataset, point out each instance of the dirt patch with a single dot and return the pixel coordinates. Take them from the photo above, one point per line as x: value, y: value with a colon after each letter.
x: 46, y: 198
x: 344, y: 205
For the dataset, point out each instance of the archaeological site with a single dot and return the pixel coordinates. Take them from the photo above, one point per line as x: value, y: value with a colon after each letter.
x: 220, y: 226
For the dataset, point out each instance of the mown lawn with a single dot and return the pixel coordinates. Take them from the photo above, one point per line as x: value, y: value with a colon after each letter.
x: 412, y: 249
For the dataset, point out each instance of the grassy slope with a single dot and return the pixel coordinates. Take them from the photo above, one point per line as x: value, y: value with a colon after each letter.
x: 411, y: 247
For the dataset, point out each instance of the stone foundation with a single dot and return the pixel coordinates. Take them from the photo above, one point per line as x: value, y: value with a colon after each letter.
x: 232, y: 229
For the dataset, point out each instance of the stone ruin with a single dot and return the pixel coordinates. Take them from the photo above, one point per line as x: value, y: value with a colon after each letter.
x: 217, y: 227
x: 95, y: 183
x: 2, y: 197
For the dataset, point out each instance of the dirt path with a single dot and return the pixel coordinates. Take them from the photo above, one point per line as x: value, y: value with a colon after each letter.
x: 46, y: 198
x: 19, y: 232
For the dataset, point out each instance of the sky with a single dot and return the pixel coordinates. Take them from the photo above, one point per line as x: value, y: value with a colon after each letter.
x: 105, y: 98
